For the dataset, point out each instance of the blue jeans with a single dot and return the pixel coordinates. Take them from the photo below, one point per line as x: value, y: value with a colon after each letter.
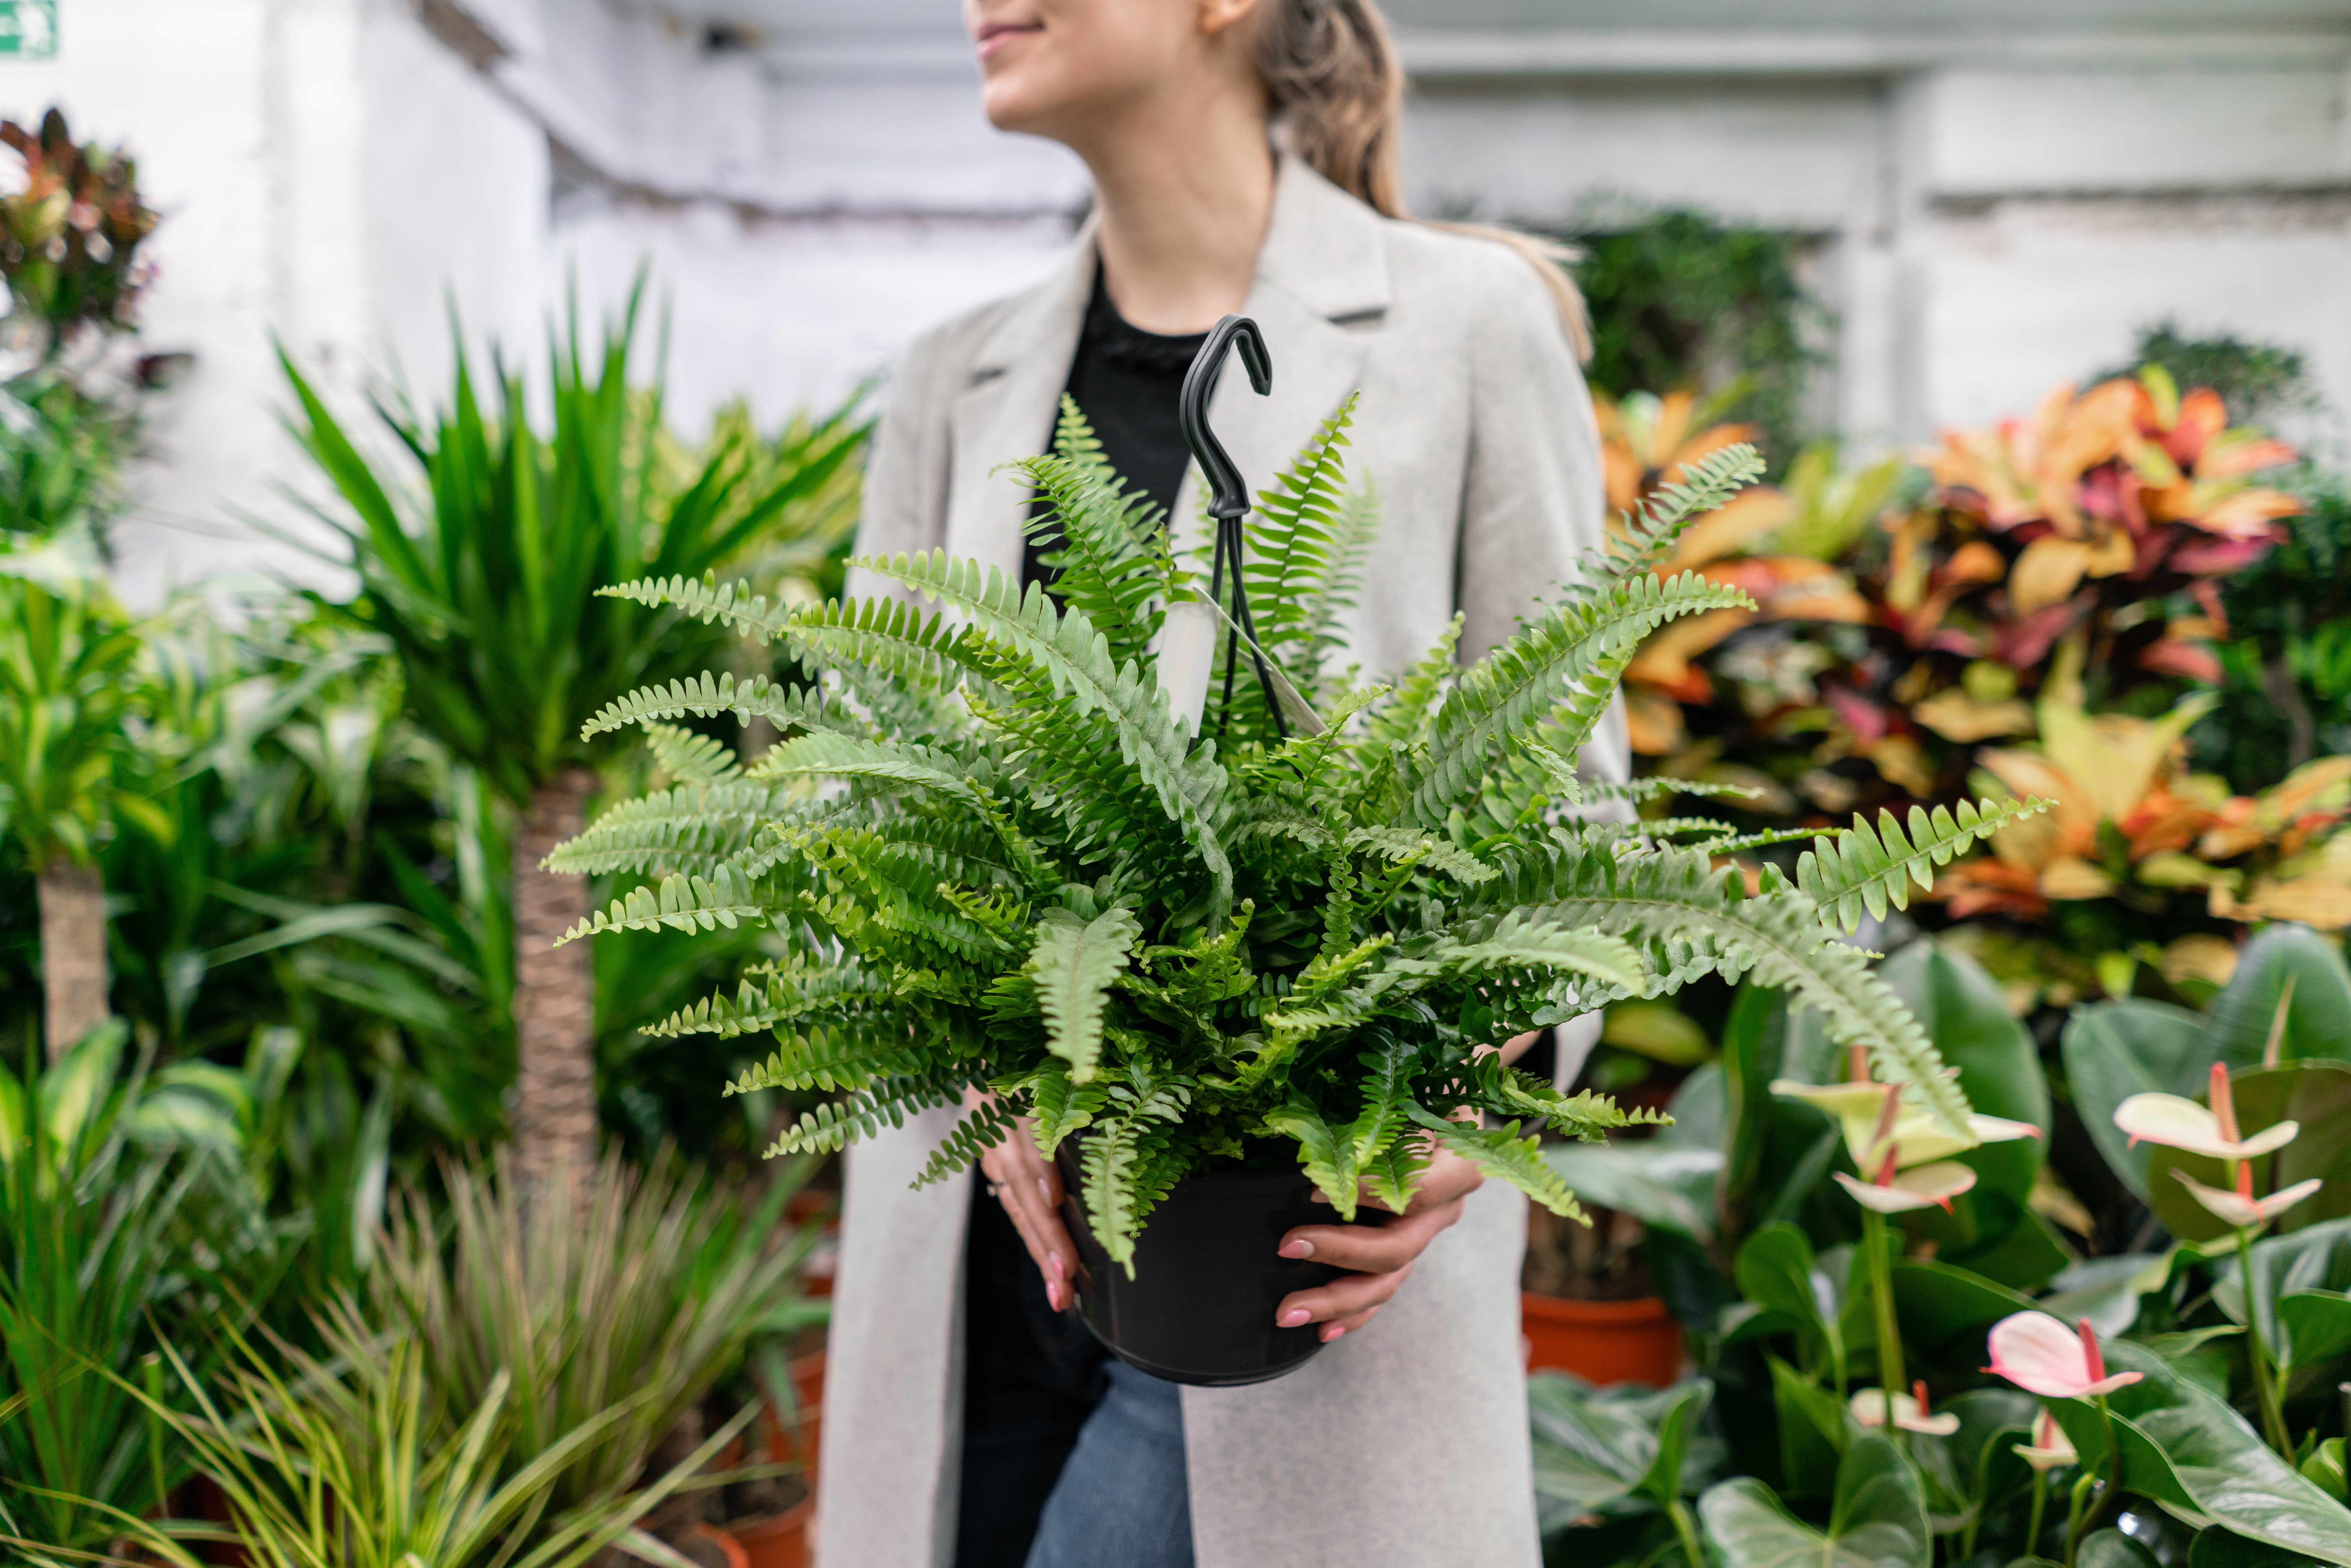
x: 1071, y: 1459
x: 1122, y: 1500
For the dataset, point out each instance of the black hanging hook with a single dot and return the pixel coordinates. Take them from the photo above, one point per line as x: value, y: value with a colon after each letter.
x: 1229, y: 500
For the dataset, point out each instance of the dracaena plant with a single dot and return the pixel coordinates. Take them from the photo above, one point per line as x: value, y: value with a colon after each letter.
x: 1010, y: 867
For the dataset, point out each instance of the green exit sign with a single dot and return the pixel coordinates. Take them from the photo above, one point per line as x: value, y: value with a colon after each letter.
x: 28, y: 28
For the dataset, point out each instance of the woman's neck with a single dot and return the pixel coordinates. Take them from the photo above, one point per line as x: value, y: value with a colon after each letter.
x: 1185, y: 192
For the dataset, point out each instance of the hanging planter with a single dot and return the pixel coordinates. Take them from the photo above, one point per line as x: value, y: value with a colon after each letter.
x: 1046, y: 877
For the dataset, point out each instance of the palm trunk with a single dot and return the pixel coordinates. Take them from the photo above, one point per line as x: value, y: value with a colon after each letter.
x: 73, y: 952
x: 555, y: 1001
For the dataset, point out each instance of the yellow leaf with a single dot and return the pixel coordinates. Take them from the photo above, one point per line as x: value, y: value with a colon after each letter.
x: 2202, y: 957
x: 2314, y: 901
x: 2071, y: 876
x: 2047, y: 572
x: 1731, y: 526
x: 1954, y: 715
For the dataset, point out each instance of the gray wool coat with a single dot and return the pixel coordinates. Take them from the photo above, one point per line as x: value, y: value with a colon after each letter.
x: 1405, y: 1444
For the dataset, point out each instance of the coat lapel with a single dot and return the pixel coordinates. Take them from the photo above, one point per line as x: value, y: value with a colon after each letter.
x: 1006, y: 412
x: 1320, y: 297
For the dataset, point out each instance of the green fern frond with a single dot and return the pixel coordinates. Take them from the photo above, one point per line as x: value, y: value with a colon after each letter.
x: 691, y: 758
x: 1500, y: 1151
x: 1326, y: 1153
x: 1549, y: 662
x: 733, y: 602
x: 688, y: 828
x: 1670, y: 509
x: 1517, y: 941
x: 681, y: 903
x: 1864, y: 870
x: 1779, y: 937
x: 1072, y: 658
x: 852, y: 1055
x: 1405, y: 716
x: 1074, y: 965
x: 980, y: 1130
x: 1124, y: 1164
x: 789, y: 708
x: 1061, y: 1108
x: 836, y: 1123
x: 823, y: 754
x: 1430, y: 850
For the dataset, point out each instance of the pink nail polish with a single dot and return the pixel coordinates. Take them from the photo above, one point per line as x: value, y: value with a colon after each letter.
x: 1333, y: 1331
x: 1053, y: 1295
x: 1294, y: 1318
x: 1053, y: 1262
x: 1301, y: 1248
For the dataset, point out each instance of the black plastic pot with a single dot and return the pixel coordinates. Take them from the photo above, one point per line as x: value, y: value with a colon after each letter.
x: 1207, y: 1278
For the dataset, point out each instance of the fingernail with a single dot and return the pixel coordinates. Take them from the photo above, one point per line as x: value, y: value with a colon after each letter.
x: 1053, y: 1294
x: 1045, y: 1186
x: 1301, y: 1248
x: 1331, y: 1332
x: 1053, y: 1262
x: 1294, y: 1318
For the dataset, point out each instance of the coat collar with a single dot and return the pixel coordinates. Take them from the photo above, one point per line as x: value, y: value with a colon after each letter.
x: 1321, y: 283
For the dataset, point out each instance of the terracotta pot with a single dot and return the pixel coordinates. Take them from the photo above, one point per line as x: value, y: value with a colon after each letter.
x: 736, y: 1557
x: 786, y: 1443
x: 1603, y: 1342
x: 779, y: 1543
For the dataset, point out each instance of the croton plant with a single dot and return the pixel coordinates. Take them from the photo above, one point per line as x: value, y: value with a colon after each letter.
x: 1295, y: 936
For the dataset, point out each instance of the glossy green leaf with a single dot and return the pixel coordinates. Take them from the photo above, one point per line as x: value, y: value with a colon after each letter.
x: 1973, y: 1469
x: 1878, y: 1520
x: 2324, y: 1469
x: 1964, y: 1014
x: 1939, y: 1303
x: 2186, y: 1449
x: 2310, y: 1268
x: 2110, y: 1548
x: 1776, y: 1270
x: 2107, y: 1291
x: 2219, y: 1548
x: 1754, y: 1040
x: 1815, y: 1428
x: 1617, y: 1450
x: 2315, y: 1094
x: 2318, y: 1019
x: 2115, y: 1049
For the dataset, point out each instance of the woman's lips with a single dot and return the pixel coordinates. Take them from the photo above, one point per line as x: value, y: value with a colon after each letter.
x: 998, y: 36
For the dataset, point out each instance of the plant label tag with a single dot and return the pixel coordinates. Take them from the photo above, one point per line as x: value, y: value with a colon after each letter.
x: 1187, y: 649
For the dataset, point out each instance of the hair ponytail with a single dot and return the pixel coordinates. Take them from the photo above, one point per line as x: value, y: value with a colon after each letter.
x: 1337, y: 88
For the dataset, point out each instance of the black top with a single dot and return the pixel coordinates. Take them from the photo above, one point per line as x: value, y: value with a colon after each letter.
x: 1127, y: 381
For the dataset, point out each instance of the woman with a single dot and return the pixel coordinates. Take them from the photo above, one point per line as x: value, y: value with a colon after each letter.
x: 969, y: 1419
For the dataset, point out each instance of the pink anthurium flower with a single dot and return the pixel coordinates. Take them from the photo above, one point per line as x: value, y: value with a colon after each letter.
x: 1898, y: 1192
x: 2180, y: 1123
x: 1875, y: 1117
x: 2049, y: 1447
x: 2041, y: 1355
x: 2240, y: 1208
x: 1868, y: 1408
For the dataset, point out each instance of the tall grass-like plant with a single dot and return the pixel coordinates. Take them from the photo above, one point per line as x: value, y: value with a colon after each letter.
x: 362, y: 1461
x: 480, y: 563
x: 94, y: 1248
x: 1028, y: 878
x: 68, y: 676
x: 641, y: 1290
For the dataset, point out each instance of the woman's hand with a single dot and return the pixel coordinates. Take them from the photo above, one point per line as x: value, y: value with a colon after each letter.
x: 1382, y: 1255
x: 1030, y: 1191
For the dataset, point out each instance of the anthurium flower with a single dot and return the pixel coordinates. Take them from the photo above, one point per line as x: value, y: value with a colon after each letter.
x: 1922, y: 1187
x: 2041, y: 1355
x: 1868, y: 1408
x: 2049, y: 1447
x: 1862, y: 1108
x: 2240, y: 1207
x: 2180, y: 1123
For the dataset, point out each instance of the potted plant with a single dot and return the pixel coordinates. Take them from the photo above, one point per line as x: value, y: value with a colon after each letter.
x: 1219, y: 970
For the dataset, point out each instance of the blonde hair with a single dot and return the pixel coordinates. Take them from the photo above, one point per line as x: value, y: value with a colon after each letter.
x: 1337, y: 88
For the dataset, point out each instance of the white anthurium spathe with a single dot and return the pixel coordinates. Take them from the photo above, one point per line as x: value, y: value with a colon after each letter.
x: 1862, y: 1109
x: 2180, y: 1124
x: 1921, y: 1186
x: 2240, y: 1208
x: 2049, y: 1449
x: 1910, y: 1414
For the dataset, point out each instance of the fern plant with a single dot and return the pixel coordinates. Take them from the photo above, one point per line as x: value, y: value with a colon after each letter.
x: 1008, y: 867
